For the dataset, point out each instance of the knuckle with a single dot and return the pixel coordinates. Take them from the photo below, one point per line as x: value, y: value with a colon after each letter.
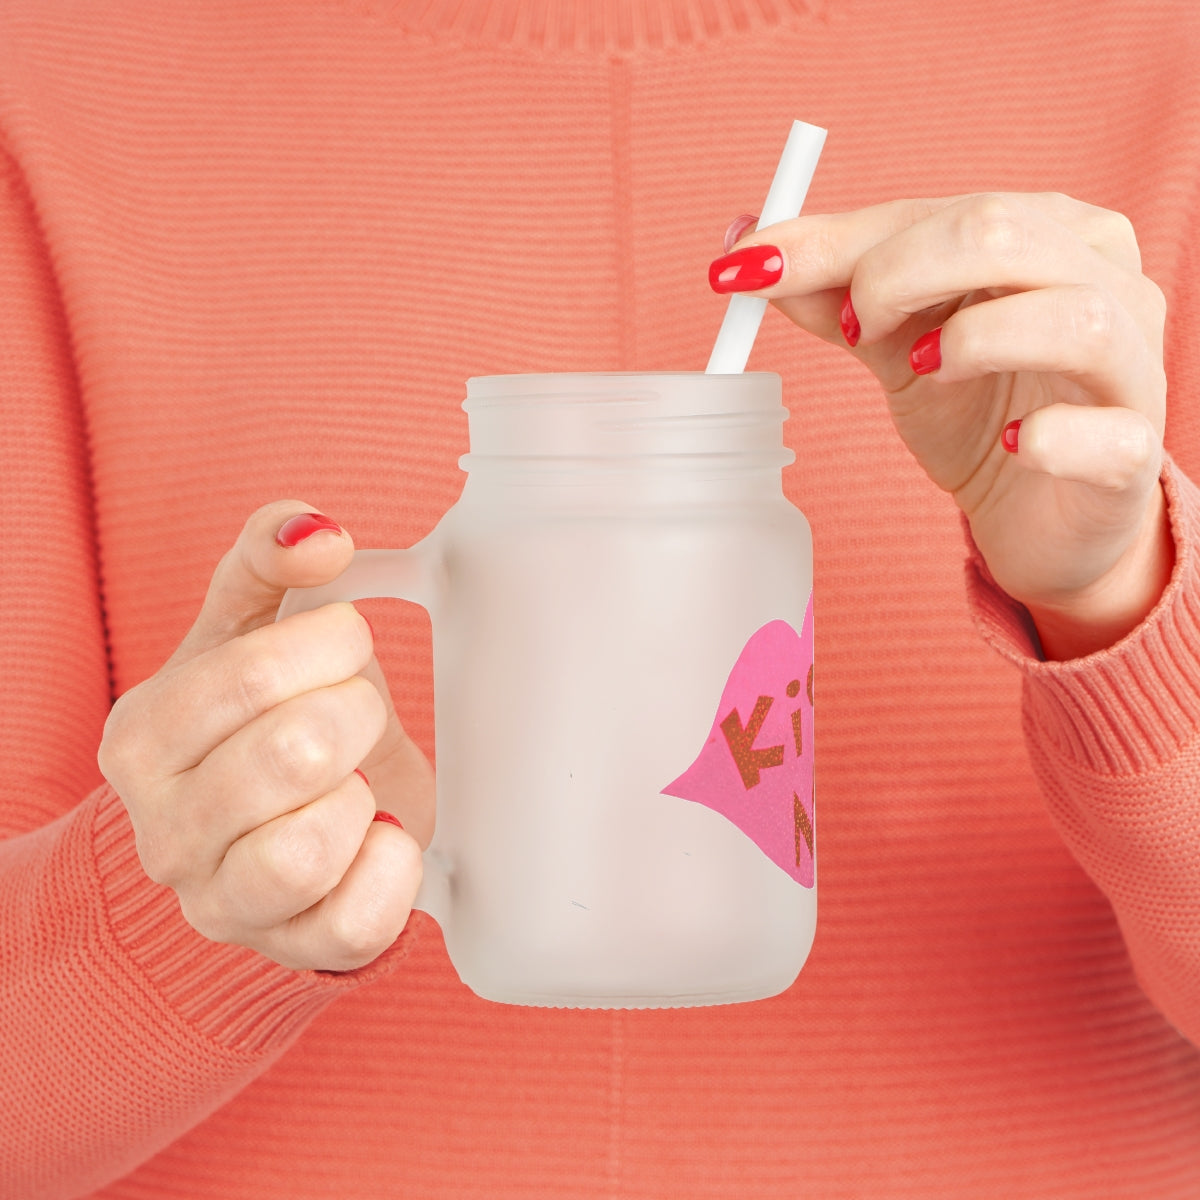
x: 299, y: 751
x: 1117, y: 229
x: 1090, y: 318
x: 112, y: 753
x: 879, y: 286
x: 297, y: 859
x: 360, y: 934
x: 969, y: 341
x: 889, y: 288
x: 1126, y: 451
x: 210, y: 919
x: 160, y: 857
x: 351, y: 633
x: 197, y: 913
x: 816, y: 255
x: 120, y: 752
x: 917, y: 208
x: 1141, y: 446
x: 371, y: 712
x: 1116, y: 476
x: 994, y: 226
x: 1112, y: 234
x: 1156, y: 300
x: 258, y: 679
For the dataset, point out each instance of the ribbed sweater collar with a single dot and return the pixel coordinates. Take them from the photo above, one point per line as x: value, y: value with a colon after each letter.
x: 593, y: 25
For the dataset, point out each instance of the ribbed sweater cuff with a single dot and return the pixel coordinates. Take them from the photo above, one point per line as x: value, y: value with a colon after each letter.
x: 1130, y: 707
x: 233, y: 996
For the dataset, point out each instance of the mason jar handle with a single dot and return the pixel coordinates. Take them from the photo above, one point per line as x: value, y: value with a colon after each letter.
x: 395, y: 574
x: 388, y: 574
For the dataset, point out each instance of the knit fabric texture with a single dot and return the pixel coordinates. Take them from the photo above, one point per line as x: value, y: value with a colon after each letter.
x: 253, y: 251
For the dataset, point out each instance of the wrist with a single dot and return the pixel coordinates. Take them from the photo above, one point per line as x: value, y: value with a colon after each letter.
x: 1114, y: 605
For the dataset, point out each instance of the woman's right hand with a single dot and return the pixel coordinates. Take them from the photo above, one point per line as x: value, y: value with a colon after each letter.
x: 237, y: 762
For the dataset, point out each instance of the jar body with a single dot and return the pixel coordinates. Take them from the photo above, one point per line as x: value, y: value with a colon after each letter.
x: 586, y: 622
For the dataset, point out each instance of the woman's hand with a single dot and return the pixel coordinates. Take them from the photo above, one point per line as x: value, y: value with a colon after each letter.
x: 237, y: 762
x: 977, y: 313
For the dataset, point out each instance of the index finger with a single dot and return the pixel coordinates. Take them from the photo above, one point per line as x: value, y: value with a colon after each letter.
x: 820, y: 251
x: 188, y: 710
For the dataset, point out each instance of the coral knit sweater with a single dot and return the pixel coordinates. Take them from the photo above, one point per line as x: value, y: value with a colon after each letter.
x: 251, y: 251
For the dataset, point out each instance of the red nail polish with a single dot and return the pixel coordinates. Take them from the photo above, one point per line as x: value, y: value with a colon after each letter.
x: 1009, y: 436
x: 380, y: 815
x: 746, y: 270
x: 851, y: 330
x: 294, y: 530
x: 737, y: 228
x: 362, y: 777
x: 926, y: 354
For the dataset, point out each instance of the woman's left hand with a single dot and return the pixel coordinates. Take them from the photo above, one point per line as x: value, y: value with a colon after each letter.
x: 979, y: 312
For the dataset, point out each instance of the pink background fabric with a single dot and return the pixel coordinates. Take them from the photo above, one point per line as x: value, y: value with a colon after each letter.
x: 252, y: 251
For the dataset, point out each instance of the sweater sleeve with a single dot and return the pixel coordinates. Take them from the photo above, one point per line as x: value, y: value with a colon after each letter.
x: 1114, y: 739
x: 120, y: 1027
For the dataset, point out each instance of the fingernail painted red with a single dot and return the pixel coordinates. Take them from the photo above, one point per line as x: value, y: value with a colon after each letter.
x: 380, y: 815
x: 362, y: 777
x: 851, y: 329
x: 1009, y: 436
x: 294, y: 530
x: 737, y: 227
x: 746, y: 270
x: 926, y: 353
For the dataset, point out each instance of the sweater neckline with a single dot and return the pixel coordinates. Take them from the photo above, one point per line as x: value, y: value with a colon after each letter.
x: 615, y: 26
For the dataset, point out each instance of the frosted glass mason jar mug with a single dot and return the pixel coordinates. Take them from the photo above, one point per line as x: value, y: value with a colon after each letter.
x: 622, y: 648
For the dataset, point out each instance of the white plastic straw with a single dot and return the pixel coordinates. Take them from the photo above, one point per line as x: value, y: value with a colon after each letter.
x: 788, y: 189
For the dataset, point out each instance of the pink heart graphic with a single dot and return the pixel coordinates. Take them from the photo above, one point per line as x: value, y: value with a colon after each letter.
x: 756, y: 768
